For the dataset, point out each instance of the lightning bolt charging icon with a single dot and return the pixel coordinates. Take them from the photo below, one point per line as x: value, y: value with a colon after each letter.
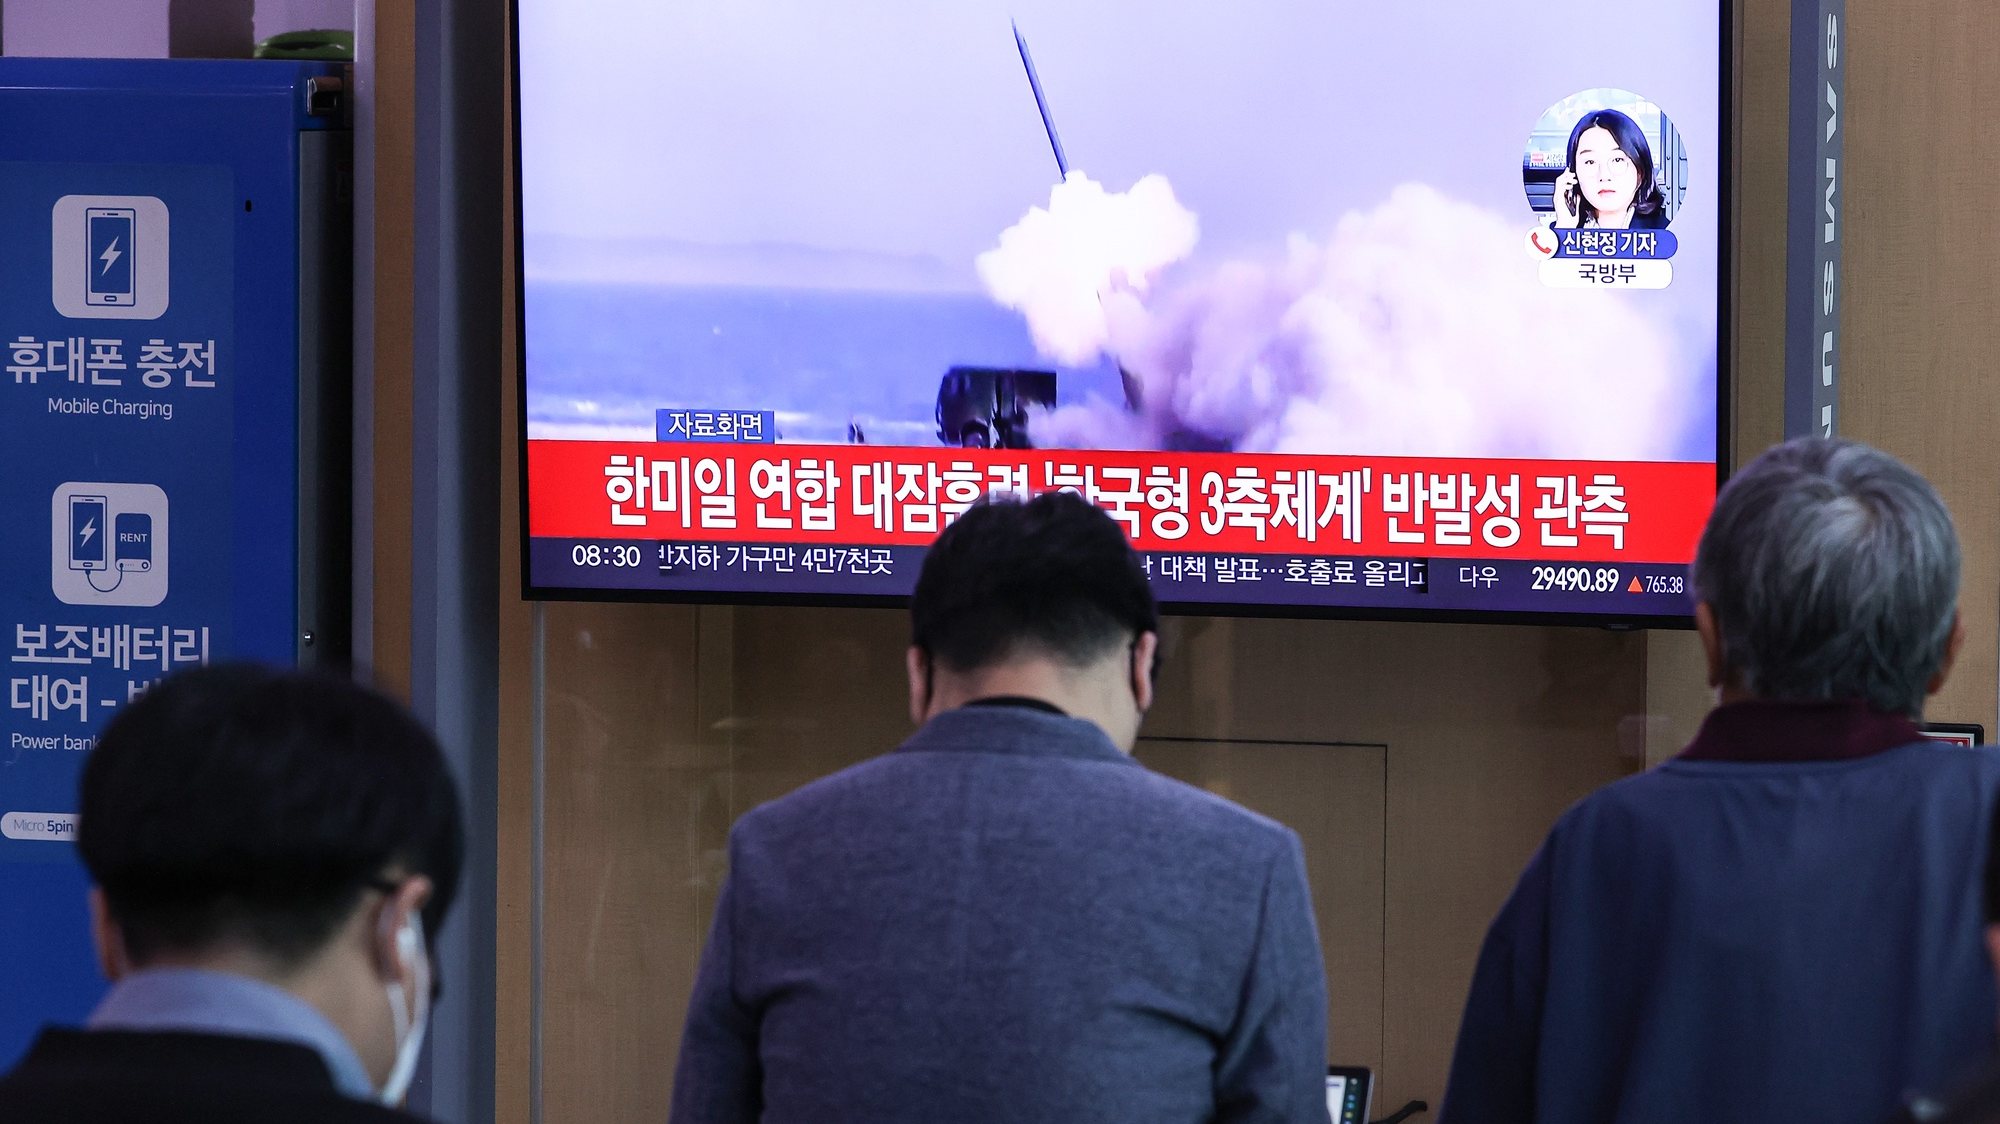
x: 89, y: 529
x: 109, y: 256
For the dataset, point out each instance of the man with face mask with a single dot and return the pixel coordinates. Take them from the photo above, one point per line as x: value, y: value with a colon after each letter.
x: 270, y: 850
x: 1007, y: 918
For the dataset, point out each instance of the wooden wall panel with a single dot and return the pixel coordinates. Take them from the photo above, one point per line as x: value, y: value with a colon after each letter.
x: 666, y: 724
x: 1920, y: 245
x: 393, y: 354
x: 636, y: 812
x: 1763, y: 106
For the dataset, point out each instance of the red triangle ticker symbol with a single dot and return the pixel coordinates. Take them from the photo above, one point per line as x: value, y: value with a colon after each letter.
x: 1635, y: 587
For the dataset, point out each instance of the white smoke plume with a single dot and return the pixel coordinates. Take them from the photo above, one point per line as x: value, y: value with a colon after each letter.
x: 1052, y: 265
x: 1418, y: 329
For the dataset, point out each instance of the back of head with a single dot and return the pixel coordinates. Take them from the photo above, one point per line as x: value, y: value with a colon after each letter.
x: 249, y: 808
x: 1053, y: 577
x: 1832, y: 570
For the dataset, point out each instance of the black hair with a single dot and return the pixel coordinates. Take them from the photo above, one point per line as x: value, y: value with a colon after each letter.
x: 1054, y: 575
x: 1648, y: 200
x: 253, y: 805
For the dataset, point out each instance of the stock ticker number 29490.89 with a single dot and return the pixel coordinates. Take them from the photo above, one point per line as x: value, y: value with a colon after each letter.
x: 1575, y: 579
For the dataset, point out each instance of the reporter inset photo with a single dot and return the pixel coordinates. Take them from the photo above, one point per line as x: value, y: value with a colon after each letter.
x: 1607, y: 159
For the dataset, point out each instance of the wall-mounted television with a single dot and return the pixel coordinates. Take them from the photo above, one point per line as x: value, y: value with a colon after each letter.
x: 1339, y: 308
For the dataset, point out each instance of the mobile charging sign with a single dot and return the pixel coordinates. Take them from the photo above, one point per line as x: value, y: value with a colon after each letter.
x: 119, y: 411
x: 148, y: 438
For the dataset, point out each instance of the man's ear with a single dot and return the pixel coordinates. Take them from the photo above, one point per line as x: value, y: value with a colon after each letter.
x: 1711, y: 643
x: 109, y: 939
x: 1144, y: 651
x: 391, y: 957
x: 918, y: 664
x: 1952, y: 644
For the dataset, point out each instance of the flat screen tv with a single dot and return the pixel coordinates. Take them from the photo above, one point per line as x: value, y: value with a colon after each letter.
x: 1339, y: 308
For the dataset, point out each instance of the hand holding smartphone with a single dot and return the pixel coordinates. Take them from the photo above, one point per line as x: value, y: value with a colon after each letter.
x: 1568, y: 201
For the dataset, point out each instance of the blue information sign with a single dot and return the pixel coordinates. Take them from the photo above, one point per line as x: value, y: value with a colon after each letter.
x: 149, y: 437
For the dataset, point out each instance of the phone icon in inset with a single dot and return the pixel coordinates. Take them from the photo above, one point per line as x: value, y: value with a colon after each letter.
x: 108, y: 271
x: 87, y: 534
x: 133, y: 541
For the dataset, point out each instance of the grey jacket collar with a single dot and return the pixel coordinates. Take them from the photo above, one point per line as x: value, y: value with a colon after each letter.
x: 1015, y: 731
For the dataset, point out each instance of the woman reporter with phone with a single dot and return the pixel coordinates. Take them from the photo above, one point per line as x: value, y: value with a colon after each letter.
x: 1609, y: 181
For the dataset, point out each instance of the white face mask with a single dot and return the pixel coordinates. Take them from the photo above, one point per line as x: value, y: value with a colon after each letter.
x: 410, y: 1013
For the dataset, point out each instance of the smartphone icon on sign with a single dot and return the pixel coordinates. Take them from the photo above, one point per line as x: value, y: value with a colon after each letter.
x: 87, y: 533
x: 109, y: 265
x: 133, y: 542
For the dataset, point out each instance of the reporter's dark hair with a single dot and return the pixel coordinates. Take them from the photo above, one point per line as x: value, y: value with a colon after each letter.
x: 1054, y: 574
x: 239, y: 803
x: 1647, y: 199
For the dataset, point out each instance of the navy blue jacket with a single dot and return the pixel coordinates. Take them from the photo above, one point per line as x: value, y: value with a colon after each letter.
x: 1755, y: 940
x: 169, y: 1077
x: 1007, y: 919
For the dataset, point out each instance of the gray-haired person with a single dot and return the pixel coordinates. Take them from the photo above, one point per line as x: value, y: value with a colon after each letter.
x: 1783, y: 922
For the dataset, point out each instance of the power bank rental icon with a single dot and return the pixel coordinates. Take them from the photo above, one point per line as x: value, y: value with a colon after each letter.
x: 108, y: 544
x: 134, y: 541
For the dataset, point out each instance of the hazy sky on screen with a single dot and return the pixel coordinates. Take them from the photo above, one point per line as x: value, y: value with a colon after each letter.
x: 907, y: 127
x: 769, y: 144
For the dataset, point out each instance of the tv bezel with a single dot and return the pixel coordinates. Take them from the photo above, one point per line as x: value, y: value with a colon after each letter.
x: 1726, y: 344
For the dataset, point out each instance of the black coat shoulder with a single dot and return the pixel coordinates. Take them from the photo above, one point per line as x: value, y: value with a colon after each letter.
x: 130, y: 1077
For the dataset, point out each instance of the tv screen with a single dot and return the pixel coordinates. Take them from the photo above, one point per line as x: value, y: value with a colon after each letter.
x: 1337, y: 307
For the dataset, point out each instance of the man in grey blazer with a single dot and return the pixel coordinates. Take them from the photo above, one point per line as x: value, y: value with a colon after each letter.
x: 1007, y: 918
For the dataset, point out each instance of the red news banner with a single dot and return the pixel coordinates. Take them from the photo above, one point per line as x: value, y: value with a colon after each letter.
x: 1586, y: 511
